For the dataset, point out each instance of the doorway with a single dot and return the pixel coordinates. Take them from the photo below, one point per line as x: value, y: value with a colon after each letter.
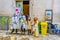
x: 26, y: 8
x: 24, y: 5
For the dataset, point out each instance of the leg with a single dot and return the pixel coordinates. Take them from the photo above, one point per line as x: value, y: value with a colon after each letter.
x: 16, y: 30
x: 24, y: 30
x: 28, y: 31
x: 21, y: 29
x: 12, y: 30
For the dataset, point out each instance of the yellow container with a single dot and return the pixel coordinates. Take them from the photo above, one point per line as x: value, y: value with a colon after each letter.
x: 44, y: 26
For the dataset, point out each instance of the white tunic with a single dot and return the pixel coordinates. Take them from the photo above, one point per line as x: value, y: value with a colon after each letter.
x: 14, y: 19
x: 25, y: 25
x: 21, y: 23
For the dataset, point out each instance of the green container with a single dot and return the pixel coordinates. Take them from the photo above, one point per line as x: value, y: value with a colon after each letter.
x: 39, y: 27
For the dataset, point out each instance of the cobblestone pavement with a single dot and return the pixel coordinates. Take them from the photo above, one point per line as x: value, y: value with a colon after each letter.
x: 30, y: 37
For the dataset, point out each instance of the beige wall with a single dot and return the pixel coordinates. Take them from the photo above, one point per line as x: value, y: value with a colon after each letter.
x: 38, y: 7
x: 56, y: 10
x: 7, y: 7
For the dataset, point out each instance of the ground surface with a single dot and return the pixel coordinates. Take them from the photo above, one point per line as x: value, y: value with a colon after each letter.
x: 30, y: 37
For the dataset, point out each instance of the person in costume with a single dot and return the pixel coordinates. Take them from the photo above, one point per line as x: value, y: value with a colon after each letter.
x: 14, y: 23
x: 29, y: 25
x: 35, y: 28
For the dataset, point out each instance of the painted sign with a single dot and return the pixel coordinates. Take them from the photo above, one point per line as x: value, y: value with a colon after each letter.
x: 4, y: 22
x: 49, y: 16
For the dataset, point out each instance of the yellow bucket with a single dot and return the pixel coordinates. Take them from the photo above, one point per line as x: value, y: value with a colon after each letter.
x: 44, y: 26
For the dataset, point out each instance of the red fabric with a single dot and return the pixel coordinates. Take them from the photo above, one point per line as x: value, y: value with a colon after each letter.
x: 16, y: 10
